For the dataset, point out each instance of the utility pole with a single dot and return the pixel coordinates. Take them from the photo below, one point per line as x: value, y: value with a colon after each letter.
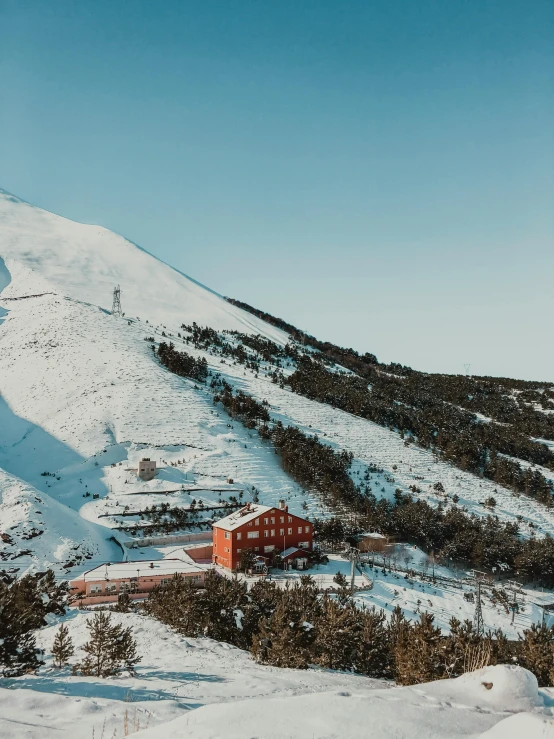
x: 354, y: 556
x: 116, y: 303
x: 514, y: 588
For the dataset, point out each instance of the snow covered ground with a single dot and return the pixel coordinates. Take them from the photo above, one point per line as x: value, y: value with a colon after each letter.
x: 82, y: 399
x: 444, y: 597
x: 201, y: 688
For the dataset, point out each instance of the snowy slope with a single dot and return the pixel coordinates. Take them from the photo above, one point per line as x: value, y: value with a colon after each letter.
x: 37, y: 531
x: 197, y: 688
x: 45, y: 252
x: 82, y: 397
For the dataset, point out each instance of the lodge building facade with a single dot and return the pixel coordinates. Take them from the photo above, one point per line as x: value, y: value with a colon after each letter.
x: 265, y: 530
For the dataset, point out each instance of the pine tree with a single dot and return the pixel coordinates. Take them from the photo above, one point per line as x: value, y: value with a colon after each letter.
x: 537, y: 653
x: 285, y: 639
x: 62, y: 649
x: 178, y: 605
x: 373, y: 650
x: 461, y: 638
x: 396, y: 627
x: 110, y: 647
x: 418, y: 655
x: 125, y: 648
x: 335, y: 643
x: 123, y: 604
x: 220, y: 602
x: 247, y: 560
x: 21, y: 611
x: 264, y: 596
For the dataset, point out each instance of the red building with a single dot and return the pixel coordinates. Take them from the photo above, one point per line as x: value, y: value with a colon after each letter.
x: 265, y: 530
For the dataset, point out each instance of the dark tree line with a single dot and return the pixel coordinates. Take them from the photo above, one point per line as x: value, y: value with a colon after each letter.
x: 181, y: 363
x: 240, y: 405
x: 298, y: 626
x: 452, y: 533
x: 455, y: 434
x: 438, y: 410
x: 165, y: 518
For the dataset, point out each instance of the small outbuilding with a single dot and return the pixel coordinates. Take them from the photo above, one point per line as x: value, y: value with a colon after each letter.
x: 147, y: 469
x: 295, y: 559
x: 371, y: 541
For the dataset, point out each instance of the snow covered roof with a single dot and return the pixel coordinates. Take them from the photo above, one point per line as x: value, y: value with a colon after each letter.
x: 239, y: 518
x: 291, y: 551
x: 143, y: 568
x: 543, y: 600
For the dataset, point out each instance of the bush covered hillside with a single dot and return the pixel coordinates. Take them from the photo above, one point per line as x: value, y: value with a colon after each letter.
x: 485, y: 425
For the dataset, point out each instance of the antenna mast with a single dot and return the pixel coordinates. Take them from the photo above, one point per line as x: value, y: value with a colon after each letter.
x: 116, y: 304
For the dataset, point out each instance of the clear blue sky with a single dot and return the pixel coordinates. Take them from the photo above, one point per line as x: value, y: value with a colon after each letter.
x: 380, y: 173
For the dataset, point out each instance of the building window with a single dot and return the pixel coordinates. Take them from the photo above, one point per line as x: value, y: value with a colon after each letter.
x: 250, y: 523
x: 282, y: 519
x: 266, y: 521
x: 266, y: 533
x: 307, y: 529
x: 166, y: 582
x: 111, y: 588
x: 289, y: 531
x: 272, y: 532
x: 269, y: 548
x: 300, y: 529
x: 256, y: 549
x: 273, y: 520
x: 227, y: 535
x: 282, y: 532
x: 95, y: 589
x: 303, y: 545
x: 257, y: 522
x: 253, y: 534
x: 290, y: 519
x: 239, y: 536
x: 239, y: 551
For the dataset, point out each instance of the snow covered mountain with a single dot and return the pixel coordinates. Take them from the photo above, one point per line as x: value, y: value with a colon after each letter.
x: 82, y: 398
x: 46, y: 253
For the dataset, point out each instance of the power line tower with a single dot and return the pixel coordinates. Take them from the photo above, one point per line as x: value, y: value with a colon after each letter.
x: 116, y: 304
x: 467, y: 366
x: 478, y: 623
